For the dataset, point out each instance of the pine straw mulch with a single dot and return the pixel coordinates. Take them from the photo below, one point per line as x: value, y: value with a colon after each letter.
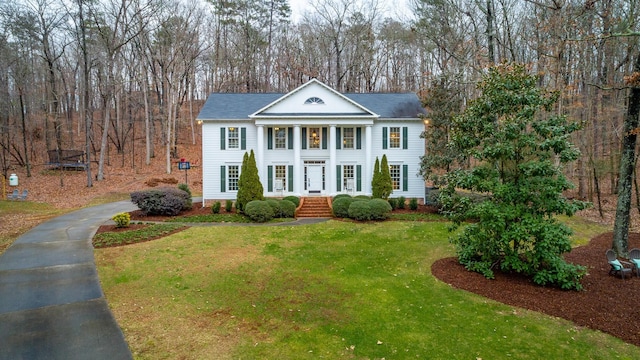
x: 607, y: 303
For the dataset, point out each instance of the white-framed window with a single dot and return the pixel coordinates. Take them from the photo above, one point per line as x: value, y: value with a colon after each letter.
x: 281, y: 177
x: 314, y: 135
x: 348, y: 179
x: 396, y: 176
x: 394, y: 137
x: 233, y: 175
x: 280, y: 137
x: 348, y: 137
x: 233, y: 137
x: 314, y: 101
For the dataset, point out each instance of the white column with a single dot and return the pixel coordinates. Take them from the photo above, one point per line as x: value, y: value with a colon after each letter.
x: 331, y: 172
x: 297, y: 163
x: 260, y: 154
x: 368, y: 155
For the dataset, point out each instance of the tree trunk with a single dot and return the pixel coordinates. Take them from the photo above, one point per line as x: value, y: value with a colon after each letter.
x: 627, y: 159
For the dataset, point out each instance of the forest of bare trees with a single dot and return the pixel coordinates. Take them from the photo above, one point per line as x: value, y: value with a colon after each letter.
x: 116, y: 76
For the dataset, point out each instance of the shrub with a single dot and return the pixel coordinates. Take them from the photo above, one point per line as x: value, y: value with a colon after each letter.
x: 362, y: 197
x: 341, y: 206
x: 402, y: 202
x: 215, y: 209
x: 380, y: 209
x: 122, y: 220
x: 185, y: 188
x: 393, y: 202
x: 162, y: 201
x: 287, y: 209
x: 294, y: 199
x: 249, y: 185
x: 275, y: 205
x: 228, y: 206
x: 258, y: 211
x: 413, y: 204
x: 360, y: 210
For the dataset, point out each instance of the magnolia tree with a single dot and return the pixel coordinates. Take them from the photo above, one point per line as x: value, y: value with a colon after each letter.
x: 516, y: 148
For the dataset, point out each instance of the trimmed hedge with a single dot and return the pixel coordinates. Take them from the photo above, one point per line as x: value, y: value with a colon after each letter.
x: 360, y: 210
x: 294, y: 199
x: 275, y: 205
x: 162, y: 201
x: 259, y: 211
x: 341, y: 206
x: 339, y: 196
x: 380, y: 209
x: 287, y: 209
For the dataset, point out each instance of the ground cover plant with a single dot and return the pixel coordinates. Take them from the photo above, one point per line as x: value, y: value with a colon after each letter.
x: 330, y: 290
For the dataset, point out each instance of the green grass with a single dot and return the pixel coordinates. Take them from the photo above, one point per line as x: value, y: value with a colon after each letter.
x: 107, y: 239
x: 221, y: 218
x: 330, y: 290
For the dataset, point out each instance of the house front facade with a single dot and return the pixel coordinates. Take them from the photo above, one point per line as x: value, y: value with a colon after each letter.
x: 312, y: 141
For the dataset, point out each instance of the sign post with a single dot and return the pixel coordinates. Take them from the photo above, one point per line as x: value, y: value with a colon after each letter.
x: 184, y: 165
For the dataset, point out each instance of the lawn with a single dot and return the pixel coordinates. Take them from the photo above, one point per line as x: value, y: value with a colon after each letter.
x: 330, y: 290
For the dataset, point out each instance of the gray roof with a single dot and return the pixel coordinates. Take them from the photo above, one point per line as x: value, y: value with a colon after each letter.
x: 228, y: 106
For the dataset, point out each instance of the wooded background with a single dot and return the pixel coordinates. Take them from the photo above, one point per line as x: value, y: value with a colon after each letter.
x: 128, y: 77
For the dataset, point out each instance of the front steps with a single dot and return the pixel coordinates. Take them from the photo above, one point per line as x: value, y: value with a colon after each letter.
x: 314, y: 207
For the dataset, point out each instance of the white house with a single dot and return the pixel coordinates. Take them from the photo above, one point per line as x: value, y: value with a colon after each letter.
x: 311, y: 141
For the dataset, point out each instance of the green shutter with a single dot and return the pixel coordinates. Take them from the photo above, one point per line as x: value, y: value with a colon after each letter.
x: 290, y: 138
x: 243, y: 138
x: 324, y: 138
x: 358, y: 138
x: 358, y: 178
x: 290, y: 177
x: 270, y: 178
x: 338, y: 139
x: 405, y: 177
x: 269, y: 138
x: 384, y: 137
x: 223, y: 136
x: 223, y: 178
x: 405, y: 137
x: 338, y: 178
x: 304, y: 138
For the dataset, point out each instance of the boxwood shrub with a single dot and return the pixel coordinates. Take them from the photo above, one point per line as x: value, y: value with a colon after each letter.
x: 360, y: 210
x: 294, y: 199
x: 259, y: 211
x: 380, y: 209
x: 341, y: 196
x: 341, y: 206
x: 287, y: 209
x: 413, y: 204
x: 162, y: 201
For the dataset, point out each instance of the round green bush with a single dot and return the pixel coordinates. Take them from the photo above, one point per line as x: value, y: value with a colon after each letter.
x: 363, y: 197
x: 294, y: 199
x: 275, y: 205
x: 360, y: 210
x: 215, y: 209
x: 287, y: 209
x: 341, y: 207
x: 259, y: 211
x: 380, y: 209
x: 393, y: 202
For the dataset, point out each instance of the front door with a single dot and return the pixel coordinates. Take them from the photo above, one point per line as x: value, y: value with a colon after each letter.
x: 314, y: 179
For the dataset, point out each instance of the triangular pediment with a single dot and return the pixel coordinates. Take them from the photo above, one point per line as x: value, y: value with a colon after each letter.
x: 313, y: 99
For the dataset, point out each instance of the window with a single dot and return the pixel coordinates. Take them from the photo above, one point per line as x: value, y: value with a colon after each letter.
x: 234, y: 138
x: 314, y: 138
x: 396, y: 176
x: 314, y: 101
x: 233, y: 176
x: 347, y: 177
x: 347, y: 138
x: 280, y: 135
x: 281, y: 177
x: 394, y: 137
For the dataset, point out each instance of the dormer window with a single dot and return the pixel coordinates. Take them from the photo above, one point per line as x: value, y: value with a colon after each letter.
x: 314, y: 101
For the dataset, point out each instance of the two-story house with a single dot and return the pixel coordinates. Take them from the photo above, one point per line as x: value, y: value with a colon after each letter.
x: 311, y: 141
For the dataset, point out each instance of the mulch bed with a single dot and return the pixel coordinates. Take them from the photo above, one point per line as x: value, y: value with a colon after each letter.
x: 607, y: 303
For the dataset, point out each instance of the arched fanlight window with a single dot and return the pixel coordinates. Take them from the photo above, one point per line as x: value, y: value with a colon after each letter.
x: 314, y: 101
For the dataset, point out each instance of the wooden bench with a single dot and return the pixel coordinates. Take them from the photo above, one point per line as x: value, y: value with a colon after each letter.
x: 67, y: 159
